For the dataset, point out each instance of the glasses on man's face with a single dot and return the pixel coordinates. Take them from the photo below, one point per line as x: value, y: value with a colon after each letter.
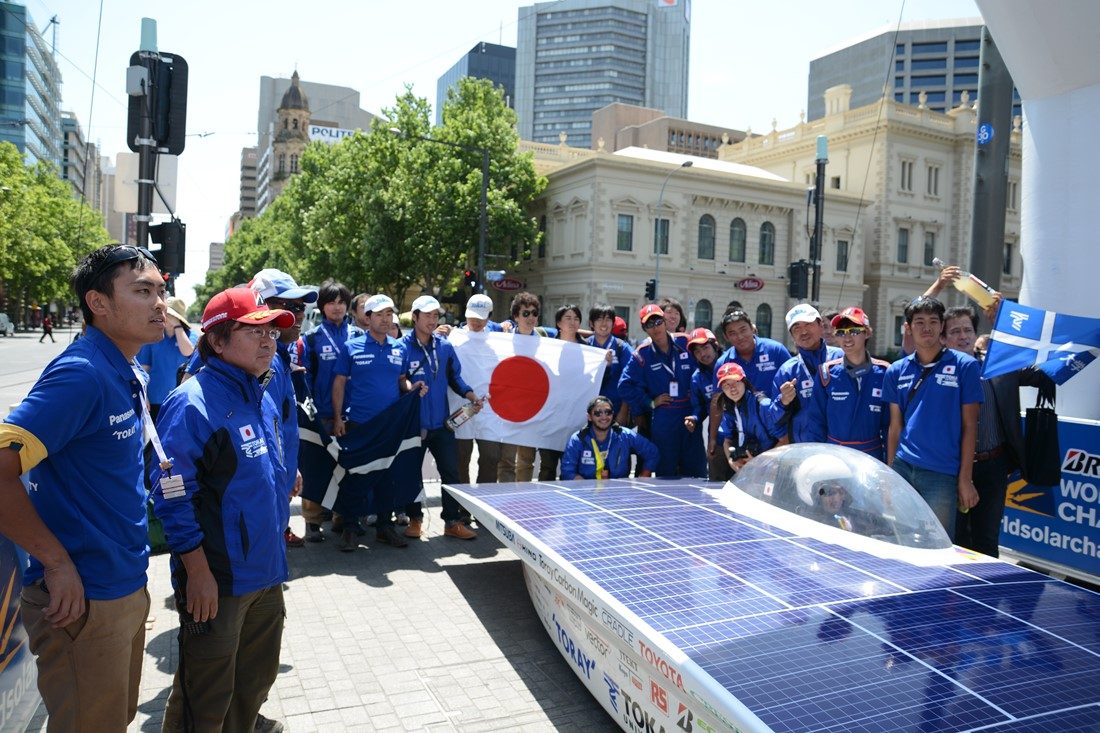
x: 853, y: 331
x: 528, y: 313
x: 653, y: 323
x: 286, y: 306
x: 259, y: 332
x: 601, y: 413
x: 122, y: 253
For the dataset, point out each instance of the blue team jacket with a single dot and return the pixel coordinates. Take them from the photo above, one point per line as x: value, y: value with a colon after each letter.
x: 808, y: 424
x: 647, y: 376
x: 620, y: 355
x: 760, y: 419
x: 221, y: 431
x: 320, y: 347
x: 854, y: 414
x: 580, y: 460
x: 437, y: 366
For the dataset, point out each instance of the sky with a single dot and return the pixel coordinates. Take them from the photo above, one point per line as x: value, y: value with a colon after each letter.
x: 749, y: 65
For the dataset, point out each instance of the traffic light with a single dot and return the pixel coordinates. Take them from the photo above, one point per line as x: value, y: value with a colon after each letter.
x: 651, y: 289
x: 470, y: 278
x: 798, y: 279
x: 172, y: 238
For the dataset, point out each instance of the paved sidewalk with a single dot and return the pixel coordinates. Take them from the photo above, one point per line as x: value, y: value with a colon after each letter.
x: 439, y: 636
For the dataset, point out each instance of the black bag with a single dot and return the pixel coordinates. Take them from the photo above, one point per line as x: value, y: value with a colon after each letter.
x: 1042, y: 454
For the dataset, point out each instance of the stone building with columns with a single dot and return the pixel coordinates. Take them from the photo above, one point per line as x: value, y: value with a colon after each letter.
x: 911, y: 172
x: 725, y: 227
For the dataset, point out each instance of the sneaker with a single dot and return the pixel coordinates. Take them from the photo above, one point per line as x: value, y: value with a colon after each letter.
x: 402, y: 519
x: 460, y: 531
x: 267, y: 725
x: 313, y: 533
x: 293, y: 540
x: 413, y: 530
x: 348, y: 541
x: 387, y: 535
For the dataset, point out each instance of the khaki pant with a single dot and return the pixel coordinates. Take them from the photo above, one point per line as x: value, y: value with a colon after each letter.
x: 225, y: 674
x: 88, y: 671
x: 488, y: 458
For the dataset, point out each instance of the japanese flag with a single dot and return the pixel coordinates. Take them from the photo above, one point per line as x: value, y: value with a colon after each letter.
x: 538, y: 387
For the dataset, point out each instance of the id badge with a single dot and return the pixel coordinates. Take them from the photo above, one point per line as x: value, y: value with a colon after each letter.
x: 673, y: 389
x: 171, y: 486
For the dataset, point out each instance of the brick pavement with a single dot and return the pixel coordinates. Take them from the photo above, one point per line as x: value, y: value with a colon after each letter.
x: 439, y: 636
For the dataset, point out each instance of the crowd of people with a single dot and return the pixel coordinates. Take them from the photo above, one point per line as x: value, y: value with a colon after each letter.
x: 106, y: 425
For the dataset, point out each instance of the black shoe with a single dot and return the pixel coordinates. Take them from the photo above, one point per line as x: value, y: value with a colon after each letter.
x: 387, y: 535
x: 267, y: 725
x: 313, y: 533
x: 348, y: 541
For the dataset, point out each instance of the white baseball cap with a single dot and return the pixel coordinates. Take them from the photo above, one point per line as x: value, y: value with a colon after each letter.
x: 479, y: 306
x: 802, y: 313
x: 426, y: 304
x: 378, y: 303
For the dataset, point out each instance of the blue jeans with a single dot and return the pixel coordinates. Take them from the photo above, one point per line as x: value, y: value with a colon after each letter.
x: 940, y: 490
x: 444, y: 449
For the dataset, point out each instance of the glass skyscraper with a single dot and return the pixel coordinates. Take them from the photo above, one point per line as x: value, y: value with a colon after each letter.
x: 484, y: 61
x: 30, y: 88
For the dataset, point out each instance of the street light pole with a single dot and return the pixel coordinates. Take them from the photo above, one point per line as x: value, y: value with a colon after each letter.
x: 657, y: 228
x: 483, y: 221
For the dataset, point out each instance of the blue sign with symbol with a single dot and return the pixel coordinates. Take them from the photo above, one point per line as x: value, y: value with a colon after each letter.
x: 985, y: 133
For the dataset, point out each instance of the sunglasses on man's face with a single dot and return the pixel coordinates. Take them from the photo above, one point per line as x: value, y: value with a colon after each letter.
x: 528, y: 313
x: 653, y: 323
x: 601, y: 413
x: 853, y: 331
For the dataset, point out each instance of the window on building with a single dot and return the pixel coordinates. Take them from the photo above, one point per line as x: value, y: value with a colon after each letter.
x: 933, y: 183
x: 899, y: 82
x: 1012, y: 192
x: 899, y: 96
x: 966, y: 62
x: 834, y: 182
x: 927, y: 64
x: 294, y: 124
x: 930, y: 47
x: 899, y: 321
x: 932, y: 80
x: 764, y: 321
x: 841, y: 255
x: 660, y: 236
x: 903, y: 245
x: 1006, y: 268
x: 973, y: 45
x: 704, y: 314
x: 293, y: 163
x: 899, y: 49
x: 899, y: 65
x: 282, y: 165
x: 767, y: 243
x: 286, y: 124
x: 625, y: 239
x: 961, y: 79
x: 706, y: 237
x: 737, y: 240
x: 544, y: 229
x: 906, y: 181
x: 929, y: 248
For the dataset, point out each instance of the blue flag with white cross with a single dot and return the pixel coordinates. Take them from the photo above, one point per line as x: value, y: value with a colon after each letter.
x: 1059, y: 344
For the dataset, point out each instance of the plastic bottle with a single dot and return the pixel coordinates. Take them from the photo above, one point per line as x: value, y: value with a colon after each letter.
x: 460, y: 416
x: 970, y: 285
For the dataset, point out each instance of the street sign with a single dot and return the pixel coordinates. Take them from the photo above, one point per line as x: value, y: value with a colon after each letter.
x: 508, y: 284
x: 494, y: 275
x: 749, y: 283
x: 985, y: 133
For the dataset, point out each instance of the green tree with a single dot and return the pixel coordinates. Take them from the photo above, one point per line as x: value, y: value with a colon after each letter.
x: 44, y: 231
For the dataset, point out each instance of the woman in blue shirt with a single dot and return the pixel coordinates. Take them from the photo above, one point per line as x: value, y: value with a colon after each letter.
x: 750, y: 421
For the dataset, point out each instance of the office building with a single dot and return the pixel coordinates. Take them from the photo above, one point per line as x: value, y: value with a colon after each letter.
x: 938, y: 58
x: 619, y: 126
x: 30, y: 88
x: 80, y: 164
x: 574, y: 57
x: 913, y: 170
x: 250, y: 159
x: 484, y: 61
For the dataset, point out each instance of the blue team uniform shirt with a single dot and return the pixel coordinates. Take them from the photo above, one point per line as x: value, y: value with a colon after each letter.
x: 163, y: 359
x: 321, y: 349
x: 437, y: 365
x: 620, y: 355
x: 372, y: 369
x: 281, y: 388
x: 89, y: 488
x: 854, y: 412
x: 808, y: 424
x: 932, y: 420
x: 579, y: 458
x: 767, y: 357
x: 650, y: 373
x: 221, y: 431
x: 759, y: 419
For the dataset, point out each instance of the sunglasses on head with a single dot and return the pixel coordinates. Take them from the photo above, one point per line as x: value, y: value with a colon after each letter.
x: 653, y: 322
x: 850, y: 331
x: 123, y: 253
x: 528, y: 313
x: 286, y: 306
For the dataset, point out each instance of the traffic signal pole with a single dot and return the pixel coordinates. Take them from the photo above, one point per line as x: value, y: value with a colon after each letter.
x: 145, y: 142
x: 819, y: 217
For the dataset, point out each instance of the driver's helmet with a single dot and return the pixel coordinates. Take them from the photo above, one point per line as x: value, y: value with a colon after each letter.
x: 821, y: 475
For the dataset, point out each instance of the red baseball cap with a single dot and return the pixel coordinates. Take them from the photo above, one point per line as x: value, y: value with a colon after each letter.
x: 730, y: 370
x: 243, y: 305
x: 853, y: 315
x: 700, y: 336
x: 619, y: 329
x: 648, y: 311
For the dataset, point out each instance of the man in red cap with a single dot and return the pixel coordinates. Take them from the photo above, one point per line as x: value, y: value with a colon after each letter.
x: 221, y: 493
x: 704, y: 347
x: 657, y: 380
x: 850, y: 393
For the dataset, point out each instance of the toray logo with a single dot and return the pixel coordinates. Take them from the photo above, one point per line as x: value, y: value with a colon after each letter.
x: 1018, y: 319
x: 1081, y: 462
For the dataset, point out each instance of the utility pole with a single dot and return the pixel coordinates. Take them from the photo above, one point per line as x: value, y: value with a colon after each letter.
x: 819, y: 217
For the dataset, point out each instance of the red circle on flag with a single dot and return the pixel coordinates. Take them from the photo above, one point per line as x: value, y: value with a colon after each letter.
x: 518, y: 388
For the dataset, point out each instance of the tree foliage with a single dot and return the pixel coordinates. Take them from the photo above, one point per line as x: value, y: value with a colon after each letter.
x: 387, y: 210
x: 44, y: 232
